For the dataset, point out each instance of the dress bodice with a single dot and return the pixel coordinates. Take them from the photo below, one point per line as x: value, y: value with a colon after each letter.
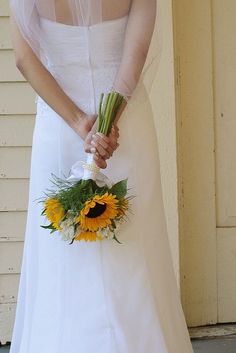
x: 84, y: 59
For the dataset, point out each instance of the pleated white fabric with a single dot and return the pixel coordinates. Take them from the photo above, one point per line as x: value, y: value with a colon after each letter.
x: 98, y: 297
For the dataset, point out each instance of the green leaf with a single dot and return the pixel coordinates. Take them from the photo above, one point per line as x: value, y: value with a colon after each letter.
x: 120, y: 189
x: 72, y: 241
x: 50, y: 226
x: 113, y: 224
x: 116, y: 239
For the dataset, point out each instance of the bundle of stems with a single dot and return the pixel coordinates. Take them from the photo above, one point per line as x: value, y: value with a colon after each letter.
x: 109, y: 106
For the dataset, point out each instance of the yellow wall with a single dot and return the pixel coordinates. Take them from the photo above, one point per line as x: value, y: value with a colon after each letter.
x: 196, y: 159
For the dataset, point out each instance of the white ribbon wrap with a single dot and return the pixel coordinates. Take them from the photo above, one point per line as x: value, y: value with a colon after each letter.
x: 88, y: 170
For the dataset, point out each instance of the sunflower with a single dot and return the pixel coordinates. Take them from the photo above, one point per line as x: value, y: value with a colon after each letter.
x: 98, y: 212
x: 88, y: 236
x: 54, y: 212
x: 123, y: 207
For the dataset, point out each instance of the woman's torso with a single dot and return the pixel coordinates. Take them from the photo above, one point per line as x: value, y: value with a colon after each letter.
x: 83, y: 59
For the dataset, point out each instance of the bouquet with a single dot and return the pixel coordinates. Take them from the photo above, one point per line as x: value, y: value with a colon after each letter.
x: 87, y: 205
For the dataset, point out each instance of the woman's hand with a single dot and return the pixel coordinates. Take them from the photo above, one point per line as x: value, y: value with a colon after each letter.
x: 102, y: 146
x: 84, y: 125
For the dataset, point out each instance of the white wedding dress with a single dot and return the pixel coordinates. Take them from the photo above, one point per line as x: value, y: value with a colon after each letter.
x: 97, y: 297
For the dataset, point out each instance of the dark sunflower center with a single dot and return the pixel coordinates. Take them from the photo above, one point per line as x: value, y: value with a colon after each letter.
x: 96, y: 211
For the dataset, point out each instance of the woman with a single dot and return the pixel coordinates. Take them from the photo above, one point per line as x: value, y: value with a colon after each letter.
x: 98, y: 296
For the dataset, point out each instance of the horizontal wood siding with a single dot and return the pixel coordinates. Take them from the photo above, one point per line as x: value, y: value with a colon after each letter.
x: 17, y: 118
x: 8, y: 70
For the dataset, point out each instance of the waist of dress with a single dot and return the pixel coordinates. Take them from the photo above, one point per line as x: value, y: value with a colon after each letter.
x: 82, y: 82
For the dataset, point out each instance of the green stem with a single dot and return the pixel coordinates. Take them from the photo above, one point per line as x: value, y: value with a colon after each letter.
x: 100, y: 112
x: 110, y: 116
x: 108, y: 110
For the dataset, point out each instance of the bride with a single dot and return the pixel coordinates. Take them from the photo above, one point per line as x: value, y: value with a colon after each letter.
x: 100, y: 296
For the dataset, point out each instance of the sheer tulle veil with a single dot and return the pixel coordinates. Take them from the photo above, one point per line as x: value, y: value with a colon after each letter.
x: 27, y: 14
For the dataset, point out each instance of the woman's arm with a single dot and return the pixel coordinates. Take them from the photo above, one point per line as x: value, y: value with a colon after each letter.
x: 46, y: 86
x: 138, y: 36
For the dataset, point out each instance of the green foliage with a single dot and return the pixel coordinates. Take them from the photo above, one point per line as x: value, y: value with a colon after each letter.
x: 120, y: 189
x: 50, y: 226
x: 73, y: 195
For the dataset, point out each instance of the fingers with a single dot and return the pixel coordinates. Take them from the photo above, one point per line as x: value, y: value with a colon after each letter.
x: 102, y: 146
x: 114, y: 136
x: 106, y: 145
x: 115, y: 130
x: 100, y: 162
